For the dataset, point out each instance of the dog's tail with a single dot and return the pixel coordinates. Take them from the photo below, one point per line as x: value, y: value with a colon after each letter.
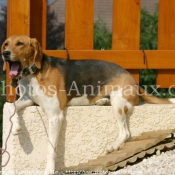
x: 152, y: 99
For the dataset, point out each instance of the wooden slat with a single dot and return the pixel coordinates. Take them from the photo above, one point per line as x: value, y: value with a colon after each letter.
x: 38, y: 11
x: 131, y: 59
x: 166, y: 78
x: 18, y: 22
x: 79, y: 24
x: 128, y: 153
x: 166, y: 38
x: 18, y: 17
x: 166, y: 32
x: 126, y: 27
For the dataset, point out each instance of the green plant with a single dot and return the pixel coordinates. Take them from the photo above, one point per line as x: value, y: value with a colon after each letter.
x: 102, y: 36
x: 148, y: 30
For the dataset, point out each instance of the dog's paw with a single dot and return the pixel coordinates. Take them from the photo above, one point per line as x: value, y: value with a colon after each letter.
x: 102, y: 102
x: 49, y: 172
x: 50, y: 168
x: 117, y: 144
x: 112, y: 148
x: 16, y: 128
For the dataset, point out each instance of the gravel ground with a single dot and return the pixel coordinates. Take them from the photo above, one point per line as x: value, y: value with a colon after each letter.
x: 163, y: 163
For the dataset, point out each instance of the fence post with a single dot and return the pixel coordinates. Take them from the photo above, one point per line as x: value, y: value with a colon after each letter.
x: 38, y: 15
x: 79, y: 24
x: 126, y: 27
x: 25, y: 17
x: 18, y: 23
x: 166, y: 39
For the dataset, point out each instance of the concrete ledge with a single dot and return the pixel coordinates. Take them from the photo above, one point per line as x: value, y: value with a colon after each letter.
x: 85, y: 133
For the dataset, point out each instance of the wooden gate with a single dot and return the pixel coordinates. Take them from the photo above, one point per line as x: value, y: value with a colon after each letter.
x: 28, y: 17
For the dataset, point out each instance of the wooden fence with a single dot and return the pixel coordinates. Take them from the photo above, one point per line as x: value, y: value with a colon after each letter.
x: 28, y: 17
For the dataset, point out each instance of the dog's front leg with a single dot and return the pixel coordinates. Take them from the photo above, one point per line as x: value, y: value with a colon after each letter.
x: 21, y: 103
x: 55, y: 121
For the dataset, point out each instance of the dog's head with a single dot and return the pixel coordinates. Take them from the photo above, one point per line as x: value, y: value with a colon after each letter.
x: 21, y: 51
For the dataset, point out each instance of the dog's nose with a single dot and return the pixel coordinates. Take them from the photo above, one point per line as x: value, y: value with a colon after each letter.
x: 6, y: 54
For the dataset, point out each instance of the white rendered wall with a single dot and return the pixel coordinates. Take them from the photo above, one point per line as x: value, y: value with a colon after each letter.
x: 85, y: 134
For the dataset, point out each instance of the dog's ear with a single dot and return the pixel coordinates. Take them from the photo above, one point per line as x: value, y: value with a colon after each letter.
x: 2, y: 50
x: 4, y: 66
x: 38, y: 54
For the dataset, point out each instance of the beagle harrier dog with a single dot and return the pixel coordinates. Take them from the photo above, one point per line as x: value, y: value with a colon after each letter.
x: 54, y: 83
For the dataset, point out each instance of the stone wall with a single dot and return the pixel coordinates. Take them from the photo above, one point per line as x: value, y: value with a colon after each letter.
x: 85, y: 133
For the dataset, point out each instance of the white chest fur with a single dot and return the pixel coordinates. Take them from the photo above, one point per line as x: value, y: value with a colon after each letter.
x: 37, y: 93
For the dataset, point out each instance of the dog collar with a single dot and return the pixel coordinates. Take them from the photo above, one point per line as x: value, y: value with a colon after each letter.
x: 29, y: 70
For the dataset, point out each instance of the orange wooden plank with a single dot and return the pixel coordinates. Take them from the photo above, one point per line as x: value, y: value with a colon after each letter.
x: 166, y: 37
x: 166, y: 78
x: 18, y: 17
x: 18, y: 22
x: 38, y: 11
x: 130, y: 59
x: 166, y: 32
x: 79, y: 24
x: 126, y: 27
x: 8, y: 17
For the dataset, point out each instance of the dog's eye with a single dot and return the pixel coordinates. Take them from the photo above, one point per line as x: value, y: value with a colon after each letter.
x: 19, y: 44
x: 6, y: 44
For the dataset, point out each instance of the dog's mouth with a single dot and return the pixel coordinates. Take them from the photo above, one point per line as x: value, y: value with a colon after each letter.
x: 15, y: 68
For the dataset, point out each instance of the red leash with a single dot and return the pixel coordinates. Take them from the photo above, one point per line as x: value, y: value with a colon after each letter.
x: 5, y: 149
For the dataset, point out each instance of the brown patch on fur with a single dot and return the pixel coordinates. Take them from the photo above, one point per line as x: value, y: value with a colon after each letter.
x: 132, y: 98
x: 120, y: 111
x: 4, y: 66
x: 125, y: 109
x: 125, y: 81
x: 128, y: 84
x: 120, y: 82
x: 52, y: 82
x: 152, y: 99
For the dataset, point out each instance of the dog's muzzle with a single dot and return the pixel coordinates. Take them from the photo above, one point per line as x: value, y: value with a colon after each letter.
x: 6, y: 54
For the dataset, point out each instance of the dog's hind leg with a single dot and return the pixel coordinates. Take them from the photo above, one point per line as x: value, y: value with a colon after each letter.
x: 121, y: 108
x: 102, y: 102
